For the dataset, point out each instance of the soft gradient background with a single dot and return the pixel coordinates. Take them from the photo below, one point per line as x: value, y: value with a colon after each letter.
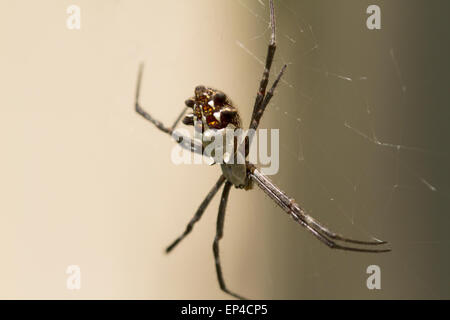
x: 86, y: 181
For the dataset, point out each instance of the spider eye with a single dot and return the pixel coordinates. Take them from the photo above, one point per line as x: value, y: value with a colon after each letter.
x: 189, y: 103
x: 220, y: 98
x: 199, y: 89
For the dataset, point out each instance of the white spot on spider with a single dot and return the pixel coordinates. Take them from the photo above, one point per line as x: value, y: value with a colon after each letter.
x: 226, y: 157
x: 210, y: 161
x: 211, y: 103
x: 217, y: 115
x: 208, y: 134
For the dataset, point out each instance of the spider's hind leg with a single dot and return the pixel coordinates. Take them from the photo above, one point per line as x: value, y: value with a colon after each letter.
x: 219, y: 235
x: 335, y: 236
x: 330, y: 238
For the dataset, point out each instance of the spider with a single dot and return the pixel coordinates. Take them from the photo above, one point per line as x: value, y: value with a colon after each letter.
x: 211, y: 108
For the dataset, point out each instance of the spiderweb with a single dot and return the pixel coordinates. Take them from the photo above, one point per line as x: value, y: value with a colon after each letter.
x: 359, y: 150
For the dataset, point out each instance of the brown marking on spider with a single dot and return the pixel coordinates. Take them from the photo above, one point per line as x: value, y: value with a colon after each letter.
x: 213, y: 108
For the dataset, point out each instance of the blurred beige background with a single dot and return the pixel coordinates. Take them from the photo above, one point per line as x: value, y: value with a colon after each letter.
x: 85, y: 181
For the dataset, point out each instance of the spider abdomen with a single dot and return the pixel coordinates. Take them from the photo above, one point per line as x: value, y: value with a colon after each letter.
x: 212, y: 108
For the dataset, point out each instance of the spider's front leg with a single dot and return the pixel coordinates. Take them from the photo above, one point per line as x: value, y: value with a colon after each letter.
x: 182, y: 140
x: 262, y: 98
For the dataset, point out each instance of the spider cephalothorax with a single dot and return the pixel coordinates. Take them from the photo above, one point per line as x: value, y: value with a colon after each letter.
x: 213, y: 108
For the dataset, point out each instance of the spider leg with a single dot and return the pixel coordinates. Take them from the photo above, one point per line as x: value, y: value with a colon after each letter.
x: 219, y: 235
x: 269, y: 59
x: 182, y: 140
x: 336, y: 236
x: 199, y: 213
x: 297, y: 213
x: 334, y: 245
x: 263, y: 99
x: 177, y: 120
x: 259, y: 112
x: 306, y: 221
